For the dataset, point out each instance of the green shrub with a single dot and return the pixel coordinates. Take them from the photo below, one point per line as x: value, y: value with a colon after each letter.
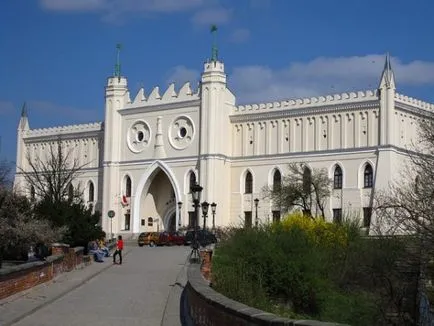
x: 304, y: 268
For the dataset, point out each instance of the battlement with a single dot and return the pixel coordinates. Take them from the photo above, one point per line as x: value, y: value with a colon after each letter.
x: 414, y: 102
x: 334, y: 99
x: 63, y: 130
x: 169, y: 96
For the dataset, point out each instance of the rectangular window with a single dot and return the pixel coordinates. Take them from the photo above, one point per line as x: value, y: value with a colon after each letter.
x: 276, y: 216
x: 191, y: 217
x: 247, y: 219
x: 143, y: 222
x: 337, y: 215
x: 367, y: 213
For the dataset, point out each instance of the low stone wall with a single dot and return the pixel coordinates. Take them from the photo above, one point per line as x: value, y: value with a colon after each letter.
x: 210, y: 308
x: 18, y: 278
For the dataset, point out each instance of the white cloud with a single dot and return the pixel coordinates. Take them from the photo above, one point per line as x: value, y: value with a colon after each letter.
x: 240, y: 35
x: 181, y: 74
x: 73, y: 5
x: 214, y: 15
x: 323, y: 76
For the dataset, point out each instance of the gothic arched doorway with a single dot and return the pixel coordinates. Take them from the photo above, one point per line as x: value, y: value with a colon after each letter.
x: 156, y: 197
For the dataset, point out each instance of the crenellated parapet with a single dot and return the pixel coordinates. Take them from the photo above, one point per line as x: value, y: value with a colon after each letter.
x: 414, y: 102
x: 170, y: 95
x: 65, y: 130
x: 300, y: 103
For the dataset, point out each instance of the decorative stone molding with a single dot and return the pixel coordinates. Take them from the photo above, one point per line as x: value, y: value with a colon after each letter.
x: 343, y: 98
x: 181, y: 132
x: 138, y: 136
x: 169, y: 96
x: 414, y: 102
x: 305, y: 111
x: 63, y: 130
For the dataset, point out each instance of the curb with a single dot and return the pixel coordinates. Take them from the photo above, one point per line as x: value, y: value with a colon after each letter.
x: 172, y: 293
x: 60, y: 295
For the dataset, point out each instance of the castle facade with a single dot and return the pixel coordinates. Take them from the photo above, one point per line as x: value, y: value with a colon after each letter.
x: 142, y: 159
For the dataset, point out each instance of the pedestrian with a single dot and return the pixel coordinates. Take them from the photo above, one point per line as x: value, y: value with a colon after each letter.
x: 119, y: 248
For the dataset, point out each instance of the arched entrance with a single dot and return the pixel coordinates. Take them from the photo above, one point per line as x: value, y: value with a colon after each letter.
x: 156, y: 196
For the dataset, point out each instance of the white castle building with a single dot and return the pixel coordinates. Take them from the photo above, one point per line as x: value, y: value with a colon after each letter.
x: 142, y: 159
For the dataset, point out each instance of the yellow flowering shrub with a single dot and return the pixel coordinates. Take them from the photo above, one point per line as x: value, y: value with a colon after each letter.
x: 319, y: 231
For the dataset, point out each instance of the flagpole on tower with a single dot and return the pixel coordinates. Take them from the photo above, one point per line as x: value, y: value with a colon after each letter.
x: 214, y: 50
x: 118, y: 62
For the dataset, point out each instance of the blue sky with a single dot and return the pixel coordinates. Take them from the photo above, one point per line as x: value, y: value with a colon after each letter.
x: 57, y: 54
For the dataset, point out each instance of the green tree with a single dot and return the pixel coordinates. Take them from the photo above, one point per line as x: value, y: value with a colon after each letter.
x: 82, y: 223
x: 20, y: 228
x: 301, y: 188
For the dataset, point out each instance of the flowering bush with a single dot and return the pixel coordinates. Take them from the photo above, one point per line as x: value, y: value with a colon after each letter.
x: 319, y: 231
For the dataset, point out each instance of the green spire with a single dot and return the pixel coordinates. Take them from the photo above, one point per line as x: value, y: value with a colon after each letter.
x: 214, y: 50
x: 24, y: 111
x: 118, y: 63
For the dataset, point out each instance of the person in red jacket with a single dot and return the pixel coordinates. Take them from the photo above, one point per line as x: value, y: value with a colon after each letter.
x: 119, y: 248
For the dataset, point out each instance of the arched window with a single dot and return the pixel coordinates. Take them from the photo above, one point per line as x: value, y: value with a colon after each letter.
x: 337, y: 178
x: 70, y: 192
x: 32, y: 192
x: 127, y: 186
x: 91, y: 194
x: 192, y: 180
x: 277, y: 181
x: 150, y: 221
x: 368, y: 177
x: 248, y: 187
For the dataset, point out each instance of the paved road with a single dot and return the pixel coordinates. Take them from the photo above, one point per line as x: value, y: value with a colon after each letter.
x: 134, y: 293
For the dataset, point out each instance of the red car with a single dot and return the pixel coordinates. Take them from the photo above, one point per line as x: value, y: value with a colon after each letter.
x: 176, y: 238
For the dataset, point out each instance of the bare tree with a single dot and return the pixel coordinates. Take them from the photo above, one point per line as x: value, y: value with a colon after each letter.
x: 407, y: 206
x: 5, y: 173
x: 51, y: 176
x: 303, y: 188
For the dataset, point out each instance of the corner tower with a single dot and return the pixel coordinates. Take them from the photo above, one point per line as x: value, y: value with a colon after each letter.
x: 217, y: 103
x: 116, y: 97
x: 387, y: 89
x: 23, y: 128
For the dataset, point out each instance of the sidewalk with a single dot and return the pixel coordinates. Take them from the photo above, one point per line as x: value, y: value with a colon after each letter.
x: 20, y: 305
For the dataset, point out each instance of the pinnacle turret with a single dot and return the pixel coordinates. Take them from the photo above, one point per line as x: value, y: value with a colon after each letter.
x: 24, y: 111
x: 24, y: 121
x: 387, y: 77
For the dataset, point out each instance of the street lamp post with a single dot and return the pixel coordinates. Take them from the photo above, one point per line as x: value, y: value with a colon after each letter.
x: 213, y: 208
x: 196, y: 190
x: 179, y: 212
x: 205, y: 206
x: 256, y: 211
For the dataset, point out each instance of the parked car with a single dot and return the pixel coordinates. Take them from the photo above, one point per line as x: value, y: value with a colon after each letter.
x: 153, y: 239
x: 176, y: 238
x: 204, y: 237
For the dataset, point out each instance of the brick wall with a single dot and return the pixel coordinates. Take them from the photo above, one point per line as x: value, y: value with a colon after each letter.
x: 18, y: 278
x: 210, y: 308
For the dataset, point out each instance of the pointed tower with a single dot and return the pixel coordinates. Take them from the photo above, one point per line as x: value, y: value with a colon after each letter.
x: 385, y: 169
x: 217, y: 103
x: 116, y: 97
x: 23, y: 128
x: 387, y: 90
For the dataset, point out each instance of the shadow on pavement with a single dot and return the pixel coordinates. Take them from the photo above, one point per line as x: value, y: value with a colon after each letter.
x: 184, y: 312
